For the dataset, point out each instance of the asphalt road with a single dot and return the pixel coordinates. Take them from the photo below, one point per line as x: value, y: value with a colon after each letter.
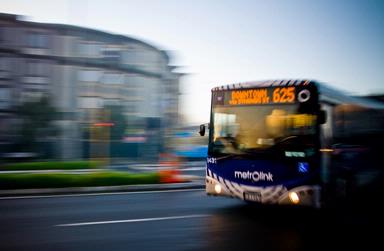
x: 187, y: 220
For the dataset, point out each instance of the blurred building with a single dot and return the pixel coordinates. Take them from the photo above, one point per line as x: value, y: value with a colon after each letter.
x: 84, y: 70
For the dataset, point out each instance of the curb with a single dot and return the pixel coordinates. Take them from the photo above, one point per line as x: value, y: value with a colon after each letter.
x: 103, y: 189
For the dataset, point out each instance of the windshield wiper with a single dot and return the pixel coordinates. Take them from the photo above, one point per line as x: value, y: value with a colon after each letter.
x: 286, y: 139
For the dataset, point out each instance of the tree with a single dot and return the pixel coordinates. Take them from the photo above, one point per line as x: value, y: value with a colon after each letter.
x: 36, y: 122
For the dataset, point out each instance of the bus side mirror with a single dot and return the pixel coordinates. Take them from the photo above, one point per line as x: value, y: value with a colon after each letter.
x: 322, y: 117
x: 202, y: 130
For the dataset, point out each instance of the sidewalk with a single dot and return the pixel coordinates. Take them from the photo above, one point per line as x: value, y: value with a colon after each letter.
x: 194, y: 183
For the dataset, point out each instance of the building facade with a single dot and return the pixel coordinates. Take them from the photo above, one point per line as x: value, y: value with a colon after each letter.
x: 83, y: 71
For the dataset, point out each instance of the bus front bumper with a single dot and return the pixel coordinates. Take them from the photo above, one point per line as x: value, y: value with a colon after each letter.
x: 306, y: 195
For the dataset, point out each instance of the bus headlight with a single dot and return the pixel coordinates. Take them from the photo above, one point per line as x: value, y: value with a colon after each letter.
x: 294, y: 197
x: 217, y: 188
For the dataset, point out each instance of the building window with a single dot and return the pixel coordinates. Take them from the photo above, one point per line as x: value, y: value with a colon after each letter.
x: 5, y: 67
x: 37, y: 40
x: 112, y: 55
x: 35, y: 87
x: 37, y: 68
x: 129, y: 92
x: 5, y: 98
x: 2, y: 34
x: 113, y: 78
x: 28, y: 95
x: 111, y: 102
x: 90, y: 75
x: 111, y: 90
x: 87, y: 89
x: 89, y: 49
x: 127, y: 57
x: 90, y: 102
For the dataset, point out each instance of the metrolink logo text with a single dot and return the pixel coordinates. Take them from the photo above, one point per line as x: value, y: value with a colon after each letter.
x: 254, y: 176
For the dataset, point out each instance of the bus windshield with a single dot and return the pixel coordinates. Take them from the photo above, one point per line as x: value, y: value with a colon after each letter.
x: 238, y: 129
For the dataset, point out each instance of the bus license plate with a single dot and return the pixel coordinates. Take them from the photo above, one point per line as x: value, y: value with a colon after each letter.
x: 252, y: 196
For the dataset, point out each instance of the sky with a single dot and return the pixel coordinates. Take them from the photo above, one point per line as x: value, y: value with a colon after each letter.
x: 218, y: 42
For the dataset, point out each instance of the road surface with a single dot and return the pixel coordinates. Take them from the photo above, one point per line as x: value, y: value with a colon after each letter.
x: 177, y: 220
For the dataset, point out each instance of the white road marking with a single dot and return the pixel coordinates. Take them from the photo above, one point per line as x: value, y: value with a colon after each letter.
x: 99, y: 194
x: 133, y: 220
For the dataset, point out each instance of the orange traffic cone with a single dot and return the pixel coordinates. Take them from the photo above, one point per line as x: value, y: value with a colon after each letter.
x: 170, y: 172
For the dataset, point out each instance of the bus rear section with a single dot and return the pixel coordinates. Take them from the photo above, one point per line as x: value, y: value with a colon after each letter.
x: 264, y: 144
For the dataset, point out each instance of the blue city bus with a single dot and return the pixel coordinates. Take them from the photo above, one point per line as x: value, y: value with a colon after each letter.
x: 292, y: 142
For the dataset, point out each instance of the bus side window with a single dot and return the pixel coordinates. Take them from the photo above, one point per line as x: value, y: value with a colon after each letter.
x: 322, y: 117
x: 328, y: 127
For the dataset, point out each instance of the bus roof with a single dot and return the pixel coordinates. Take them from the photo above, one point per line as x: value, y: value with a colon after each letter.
x: 326, y: 93
x: 264, y: 83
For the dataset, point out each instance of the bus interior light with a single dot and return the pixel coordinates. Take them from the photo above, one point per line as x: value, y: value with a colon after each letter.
x: 325, y: 150
x: 294, y: 197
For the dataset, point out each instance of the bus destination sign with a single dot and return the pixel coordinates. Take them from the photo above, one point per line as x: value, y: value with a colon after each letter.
x: 275, y: 95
